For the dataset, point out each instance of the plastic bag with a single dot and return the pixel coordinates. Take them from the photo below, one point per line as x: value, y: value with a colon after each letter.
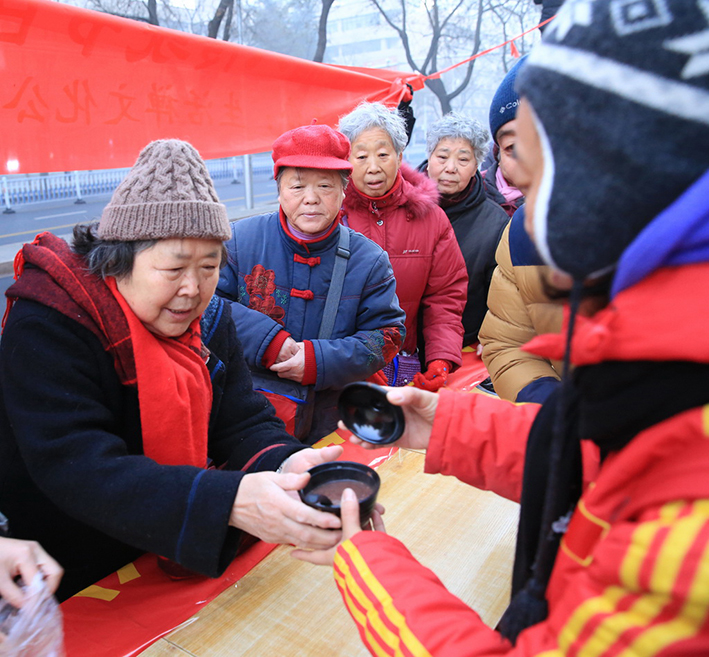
x: 35, y: 630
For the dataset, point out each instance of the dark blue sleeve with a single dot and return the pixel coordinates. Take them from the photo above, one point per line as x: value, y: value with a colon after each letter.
x: 62, y: 393
x: 228, y: 286
x: 538, y: 390
x: 379, y: 320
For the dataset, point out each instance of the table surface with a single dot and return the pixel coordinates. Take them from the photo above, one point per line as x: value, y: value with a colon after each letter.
x: 287, y: 607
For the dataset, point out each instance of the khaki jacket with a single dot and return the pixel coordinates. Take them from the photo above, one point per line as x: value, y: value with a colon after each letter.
x: 518, y: 310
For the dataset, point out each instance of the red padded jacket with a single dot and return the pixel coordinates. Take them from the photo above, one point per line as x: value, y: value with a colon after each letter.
x: 428, y: 265
x: 632, y: 574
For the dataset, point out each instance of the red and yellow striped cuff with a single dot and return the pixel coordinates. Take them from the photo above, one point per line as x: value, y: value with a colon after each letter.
x: 381, y: 625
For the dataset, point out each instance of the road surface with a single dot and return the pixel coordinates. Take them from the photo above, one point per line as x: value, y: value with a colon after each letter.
x: 60, y: 216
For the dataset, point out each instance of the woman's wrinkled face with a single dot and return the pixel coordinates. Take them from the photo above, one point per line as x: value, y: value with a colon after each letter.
x: 375, y: 162
x: 171, y: 283
x: 452, y: 165
x: 310, y: 198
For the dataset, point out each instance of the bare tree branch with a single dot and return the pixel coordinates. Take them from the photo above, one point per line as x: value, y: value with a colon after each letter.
x: 153, y: 12
x: 430, y: 60
x: 476, y: 49
x: 449, y: 26
x: 447, y: 18
x: 127, y: 10
x: 226, y: 34
x: 401, y: 31
x: 215, y: 23
x: 322, y: 31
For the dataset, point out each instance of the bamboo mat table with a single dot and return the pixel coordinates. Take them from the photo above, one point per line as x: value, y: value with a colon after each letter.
x: 284, y: 607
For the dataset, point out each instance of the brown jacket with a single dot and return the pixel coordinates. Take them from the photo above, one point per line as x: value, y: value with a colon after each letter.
x: 518, y: 310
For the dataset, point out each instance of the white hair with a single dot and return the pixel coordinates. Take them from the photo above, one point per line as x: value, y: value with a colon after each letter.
x: 367, y: 116
x: 458, y: 126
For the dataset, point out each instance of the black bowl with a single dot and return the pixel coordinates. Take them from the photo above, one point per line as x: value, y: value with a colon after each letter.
x: 327, y: 481
x: 367, y: 413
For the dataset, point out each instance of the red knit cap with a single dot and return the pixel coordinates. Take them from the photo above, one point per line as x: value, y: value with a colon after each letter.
x: 312, y: 147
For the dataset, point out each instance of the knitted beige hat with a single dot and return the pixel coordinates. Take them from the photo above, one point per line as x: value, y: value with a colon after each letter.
x: 168, y: 193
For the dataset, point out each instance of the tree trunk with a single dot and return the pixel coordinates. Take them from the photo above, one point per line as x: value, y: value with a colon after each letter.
x: 153, y: 12
x: 322, y: 31
x: 226, y: 34
x: 438, y: 88
x: 213, y: 27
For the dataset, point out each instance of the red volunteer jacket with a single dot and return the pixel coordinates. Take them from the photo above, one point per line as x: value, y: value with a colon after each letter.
x: 632, y: 574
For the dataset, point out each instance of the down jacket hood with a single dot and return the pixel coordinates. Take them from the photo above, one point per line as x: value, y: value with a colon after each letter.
x: 417, y: 194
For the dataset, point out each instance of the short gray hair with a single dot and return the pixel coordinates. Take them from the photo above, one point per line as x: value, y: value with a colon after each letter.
x: 344, y: 176
x: 458, y: 126
x: 367, y: 116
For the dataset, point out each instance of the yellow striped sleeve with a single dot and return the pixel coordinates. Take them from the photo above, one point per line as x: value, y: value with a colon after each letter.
x: 373, y: 609
x: 626, y: 613
x: 694, y: 611
x: 642, y: 539
x: 376, y: 642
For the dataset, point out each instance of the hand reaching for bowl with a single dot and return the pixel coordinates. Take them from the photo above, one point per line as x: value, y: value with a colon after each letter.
x: 349, y: 511
x: 419, y: 408
x: 266, y: 508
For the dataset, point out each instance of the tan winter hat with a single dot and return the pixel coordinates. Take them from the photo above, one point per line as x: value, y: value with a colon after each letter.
x: 168, y: 193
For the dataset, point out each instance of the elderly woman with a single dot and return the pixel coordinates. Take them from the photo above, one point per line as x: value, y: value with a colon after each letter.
x: 397, y: 207
x: 122, y: 380
x: 456, y: 145
x: 314, y: 302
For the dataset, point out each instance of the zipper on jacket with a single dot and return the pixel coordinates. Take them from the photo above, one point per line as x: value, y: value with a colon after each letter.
x: 375, y: 211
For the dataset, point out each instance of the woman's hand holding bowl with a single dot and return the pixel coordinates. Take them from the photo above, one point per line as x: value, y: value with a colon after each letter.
x: 309, y: 458
x: 264, y: 508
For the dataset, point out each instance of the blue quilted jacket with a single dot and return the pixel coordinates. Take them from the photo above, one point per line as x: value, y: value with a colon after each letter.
x: 277, y: 282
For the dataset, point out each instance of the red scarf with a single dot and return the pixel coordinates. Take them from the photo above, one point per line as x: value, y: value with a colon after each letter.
x: 174, y: 389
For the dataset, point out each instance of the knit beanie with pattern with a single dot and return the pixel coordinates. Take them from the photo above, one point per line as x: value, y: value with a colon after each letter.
x: 620, y: 95
x: 167, y: 194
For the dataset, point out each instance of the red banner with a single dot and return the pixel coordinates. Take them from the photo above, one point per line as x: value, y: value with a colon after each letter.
x: 85, y: 90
